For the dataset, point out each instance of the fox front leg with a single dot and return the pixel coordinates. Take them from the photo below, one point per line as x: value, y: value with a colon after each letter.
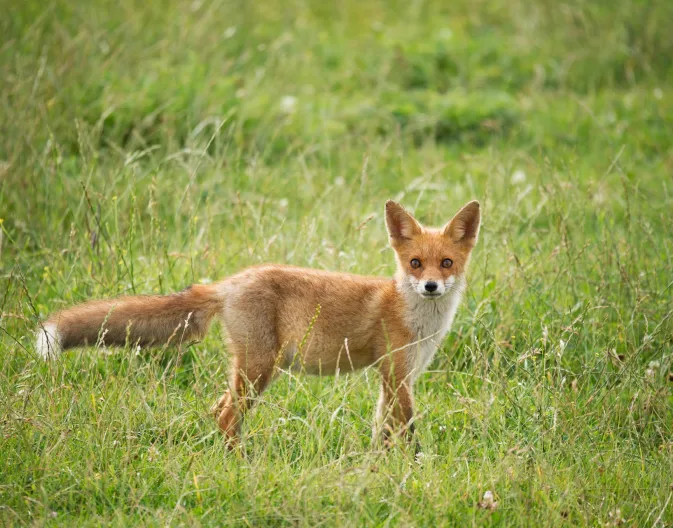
x: 395, y: 407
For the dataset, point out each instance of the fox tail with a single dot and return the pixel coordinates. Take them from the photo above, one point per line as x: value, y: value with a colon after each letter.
x: 144, y: 320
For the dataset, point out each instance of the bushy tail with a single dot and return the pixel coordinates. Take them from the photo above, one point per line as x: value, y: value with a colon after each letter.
x: 143, y: 320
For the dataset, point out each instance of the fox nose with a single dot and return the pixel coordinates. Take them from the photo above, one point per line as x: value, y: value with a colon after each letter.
x: 430, y: 286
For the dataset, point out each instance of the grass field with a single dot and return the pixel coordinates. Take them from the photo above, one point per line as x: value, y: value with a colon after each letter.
x: 148, y: 145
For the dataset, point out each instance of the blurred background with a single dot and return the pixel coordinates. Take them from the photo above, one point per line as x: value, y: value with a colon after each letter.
x: 148, y: 145
x: 175, y: 125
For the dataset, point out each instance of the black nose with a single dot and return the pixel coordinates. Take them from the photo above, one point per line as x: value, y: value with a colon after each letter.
x: 430, y: 286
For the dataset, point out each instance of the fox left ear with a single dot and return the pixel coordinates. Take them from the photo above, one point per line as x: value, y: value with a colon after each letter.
x: 464, y: 226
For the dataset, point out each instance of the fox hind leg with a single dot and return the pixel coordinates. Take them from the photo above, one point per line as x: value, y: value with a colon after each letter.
x: 250, y: 375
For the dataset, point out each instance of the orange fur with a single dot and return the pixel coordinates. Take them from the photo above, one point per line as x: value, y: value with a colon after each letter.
x: 142, y: 320
x: 284, y: 317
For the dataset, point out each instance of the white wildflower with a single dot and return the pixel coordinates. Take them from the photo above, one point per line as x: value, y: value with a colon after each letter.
x: 518, y: 177
x: 488, y: 502
x: 288, y: 104
x: 445, y: 34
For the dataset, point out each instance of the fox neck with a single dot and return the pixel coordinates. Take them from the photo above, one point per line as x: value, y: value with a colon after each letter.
x: 429, y: 319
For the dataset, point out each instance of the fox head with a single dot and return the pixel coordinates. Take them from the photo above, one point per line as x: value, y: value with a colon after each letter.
x: 432, y: 262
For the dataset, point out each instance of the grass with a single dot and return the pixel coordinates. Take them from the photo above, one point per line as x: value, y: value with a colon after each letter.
x: 148, y: 145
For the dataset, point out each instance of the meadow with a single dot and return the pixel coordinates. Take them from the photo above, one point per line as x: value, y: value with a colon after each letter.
x: 146, y: 146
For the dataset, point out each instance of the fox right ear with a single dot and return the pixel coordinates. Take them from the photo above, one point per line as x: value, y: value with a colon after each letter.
x: 401, y: 225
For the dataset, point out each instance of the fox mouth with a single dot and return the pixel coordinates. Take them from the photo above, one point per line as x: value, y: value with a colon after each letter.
x: 430, y: 295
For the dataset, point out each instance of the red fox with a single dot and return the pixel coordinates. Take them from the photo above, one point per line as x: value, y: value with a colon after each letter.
x: 282, y: 317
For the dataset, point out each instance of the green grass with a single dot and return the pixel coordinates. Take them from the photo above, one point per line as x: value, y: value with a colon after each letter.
x: 148, y: 145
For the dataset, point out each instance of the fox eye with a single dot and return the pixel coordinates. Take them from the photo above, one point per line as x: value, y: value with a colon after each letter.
x: 415, y: 263
x: 447, y: 263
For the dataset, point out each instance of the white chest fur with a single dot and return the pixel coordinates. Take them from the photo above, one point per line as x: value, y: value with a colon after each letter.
x: 429, y: 320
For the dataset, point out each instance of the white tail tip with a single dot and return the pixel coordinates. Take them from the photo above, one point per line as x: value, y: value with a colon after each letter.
x: 48, y: 341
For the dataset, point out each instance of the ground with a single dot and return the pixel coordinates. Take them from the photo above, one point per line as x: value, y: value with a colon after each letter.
x: 148, y: 145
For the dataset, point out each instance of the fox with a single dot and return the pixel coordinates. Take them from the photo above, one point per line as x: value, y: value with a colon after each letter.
x: 284, y: 318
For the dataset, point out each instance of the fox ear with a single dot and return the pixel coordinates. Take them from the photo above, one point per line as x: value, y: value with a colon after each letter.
x: 401, y: 225
x: 464, y: 226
